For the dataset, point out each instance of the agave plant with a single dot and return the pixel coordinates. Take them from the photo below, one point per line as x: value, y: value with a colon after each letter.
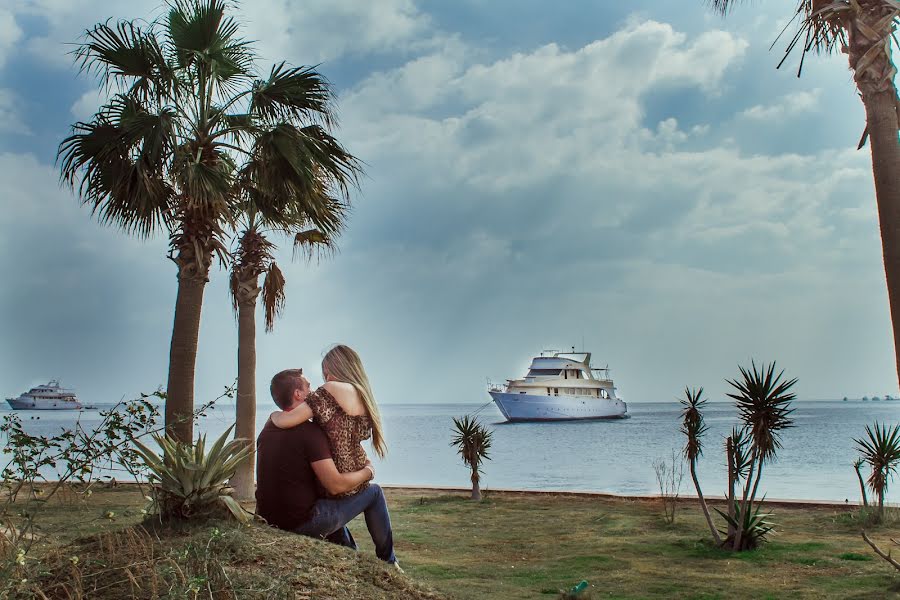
x: 472, y: 441
x: 753, y: 524
x: 881, y: 451
x: 188, y: 481
x: 693, y: 427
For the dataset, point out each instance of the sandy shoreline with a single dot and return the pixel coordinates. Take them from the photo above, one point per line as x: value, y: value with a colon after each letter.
x: 789, y: 502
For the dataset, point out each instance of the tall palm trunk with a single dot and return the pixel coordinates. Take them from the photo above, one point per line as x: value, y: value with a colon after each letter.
x: 869, y: 52
x: 739, y: 534
x: 476, y: 484
x: 243, y: 480
x: 862, y: 485
x: 703, y: 506
x: 193, y: 272
x: 732, y: 481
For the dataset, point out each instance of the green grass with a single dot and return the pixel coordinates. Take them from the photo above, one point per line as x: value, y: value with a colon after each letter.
x: 532, y: 546
x: 513, y: 546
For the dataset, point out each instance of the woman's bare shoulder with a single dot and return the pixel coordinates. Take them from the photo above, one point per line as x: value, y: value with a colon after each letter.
x: 346, y: 395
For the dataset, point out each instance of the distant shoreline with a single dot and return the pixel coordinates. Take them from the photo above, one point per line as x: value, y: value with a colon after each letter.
x: 784, y: 502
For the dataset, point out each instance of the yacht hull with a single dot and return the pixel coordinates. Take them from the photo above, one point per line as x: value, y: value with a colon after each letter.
x: 29, y: 404
x: 529, y: 407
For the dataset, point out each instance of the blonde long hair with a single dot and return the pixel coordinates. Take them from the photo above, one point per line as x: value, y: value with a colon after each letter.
x: 343, y: 364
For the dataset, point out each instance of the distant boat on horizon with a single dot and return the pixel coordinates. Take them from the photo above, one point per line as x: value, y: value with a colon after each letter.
x: 50, y: 396
x: 559, y: 386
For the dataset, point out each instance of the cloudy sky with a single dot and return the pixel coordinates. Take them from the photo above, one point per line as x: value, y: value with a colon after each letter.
x: 637, y: 175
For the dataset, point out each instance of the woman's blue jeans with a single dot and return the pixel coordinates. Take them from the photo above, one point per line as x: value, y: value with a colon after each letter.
x: 331, y: 515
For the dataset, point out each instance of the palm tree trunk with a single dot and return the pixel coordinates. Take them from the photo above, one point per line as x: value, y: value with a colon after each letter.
x: 862, y: 487
x: 243, y: 480
x: 703, y: 506
x: 192, y: 278
x: 732, y: 481
x: 739, y: 534
x: 874, y: 77
x: 476, y: 488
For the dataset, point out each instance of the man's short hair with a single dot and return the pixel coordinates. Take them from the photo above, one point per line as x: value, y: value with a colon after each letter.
x: 283, y: 386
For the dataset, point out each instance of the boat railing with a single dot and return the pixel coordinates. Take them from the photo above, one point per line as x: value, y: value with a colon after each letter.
x: 495, y: 387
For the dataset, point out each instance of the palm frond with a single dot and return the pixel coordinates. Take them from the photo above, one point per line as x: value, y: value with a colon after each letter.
x: 820, y: 26
x: 273, y: 295
x: 692, y: 425
x: 118, y: 164
x: 127, y: 55
x: 881, y: 450
x: 472, y: 440
x: 291, y: 94
x: 764, y: 401
x: 200, y: 32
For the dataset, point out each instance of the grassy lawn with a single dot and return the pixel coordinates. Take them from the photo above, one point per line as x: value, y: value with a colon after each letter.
x: 525, y: 546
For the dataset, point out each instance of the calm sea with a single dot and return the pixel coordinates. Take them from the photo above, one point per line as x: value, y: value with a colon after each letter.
x: 608, y: 456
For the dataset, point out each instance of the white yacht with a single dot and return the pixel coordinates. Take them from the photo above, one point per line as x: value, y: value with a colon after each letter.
x: 46, y: 397
x: 559, y: 386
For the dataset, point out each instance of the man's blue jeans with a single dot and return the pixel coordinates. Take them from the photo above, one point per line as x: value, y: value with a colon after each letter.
x: 331, y: 515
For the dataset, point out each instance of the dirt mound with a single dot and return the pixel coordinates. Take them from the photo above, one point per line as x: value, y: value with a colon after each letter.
x: 215, y: 560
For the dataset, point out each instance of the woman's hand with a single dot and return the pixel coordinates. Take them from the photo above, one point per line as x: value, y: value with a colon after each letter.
x: 371, y: 468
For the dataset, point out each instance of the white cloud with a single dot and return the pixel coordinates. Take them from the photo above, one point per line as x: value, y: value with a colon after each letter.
x: 301, y: 33
x: 11, y: 119
x: 86, y: 106
x: 786, y: 106
x: 10, y: 34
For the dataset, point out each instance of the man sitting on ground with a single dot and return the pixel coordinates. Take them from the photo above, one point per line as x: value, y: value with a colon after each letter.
x: 294, y: 470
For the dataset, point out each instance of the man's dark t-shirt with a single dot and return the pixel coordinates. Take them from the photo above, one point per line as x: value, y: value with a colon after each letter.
x: 286, y: 485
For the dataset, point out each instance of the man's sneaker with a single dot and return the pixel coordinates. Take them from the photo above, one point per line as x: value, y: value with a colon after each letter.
x: 397, y: 566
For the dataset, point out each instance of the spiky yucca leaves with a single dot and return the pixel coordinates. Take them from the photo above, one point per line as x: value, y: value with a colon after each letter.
x: 190, y: 482
x: 693, y: 427
x: 763, y: 401
x: 880, y: 449
x: 473, y: 442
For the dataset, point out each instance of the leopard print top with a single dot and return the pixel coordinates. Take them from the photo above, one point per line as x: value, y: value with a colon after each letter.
x: 345, y: 433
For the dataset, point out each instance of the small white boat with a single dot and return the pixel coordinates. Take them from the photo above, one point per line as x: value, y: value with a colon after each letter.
x: 559, y: 386
x: 46, y: 397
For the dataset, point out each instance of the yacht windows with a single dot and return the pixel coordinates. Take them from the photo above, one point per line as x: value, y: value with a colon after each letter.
x: 538, y: 372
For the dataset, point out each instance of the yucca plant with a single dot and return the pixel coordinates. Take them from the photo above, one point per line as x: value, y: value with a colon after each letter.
x: 693, y: 427
x: 737, y: 452
x: 188, y: 481
x: 763, y: 401
x: 880, y: 449
x: 472, y: 441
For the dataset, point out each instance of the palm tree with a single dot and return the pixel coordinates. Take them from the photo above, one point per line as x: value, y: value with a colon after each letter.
x: 857, y: 466
x: 296, y: 181
x: 472, y: 441
x: 881, y: 450
x: 167, y: 150
x: 863, y: 29
x: 693, y: 427
x: 763, y: 401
